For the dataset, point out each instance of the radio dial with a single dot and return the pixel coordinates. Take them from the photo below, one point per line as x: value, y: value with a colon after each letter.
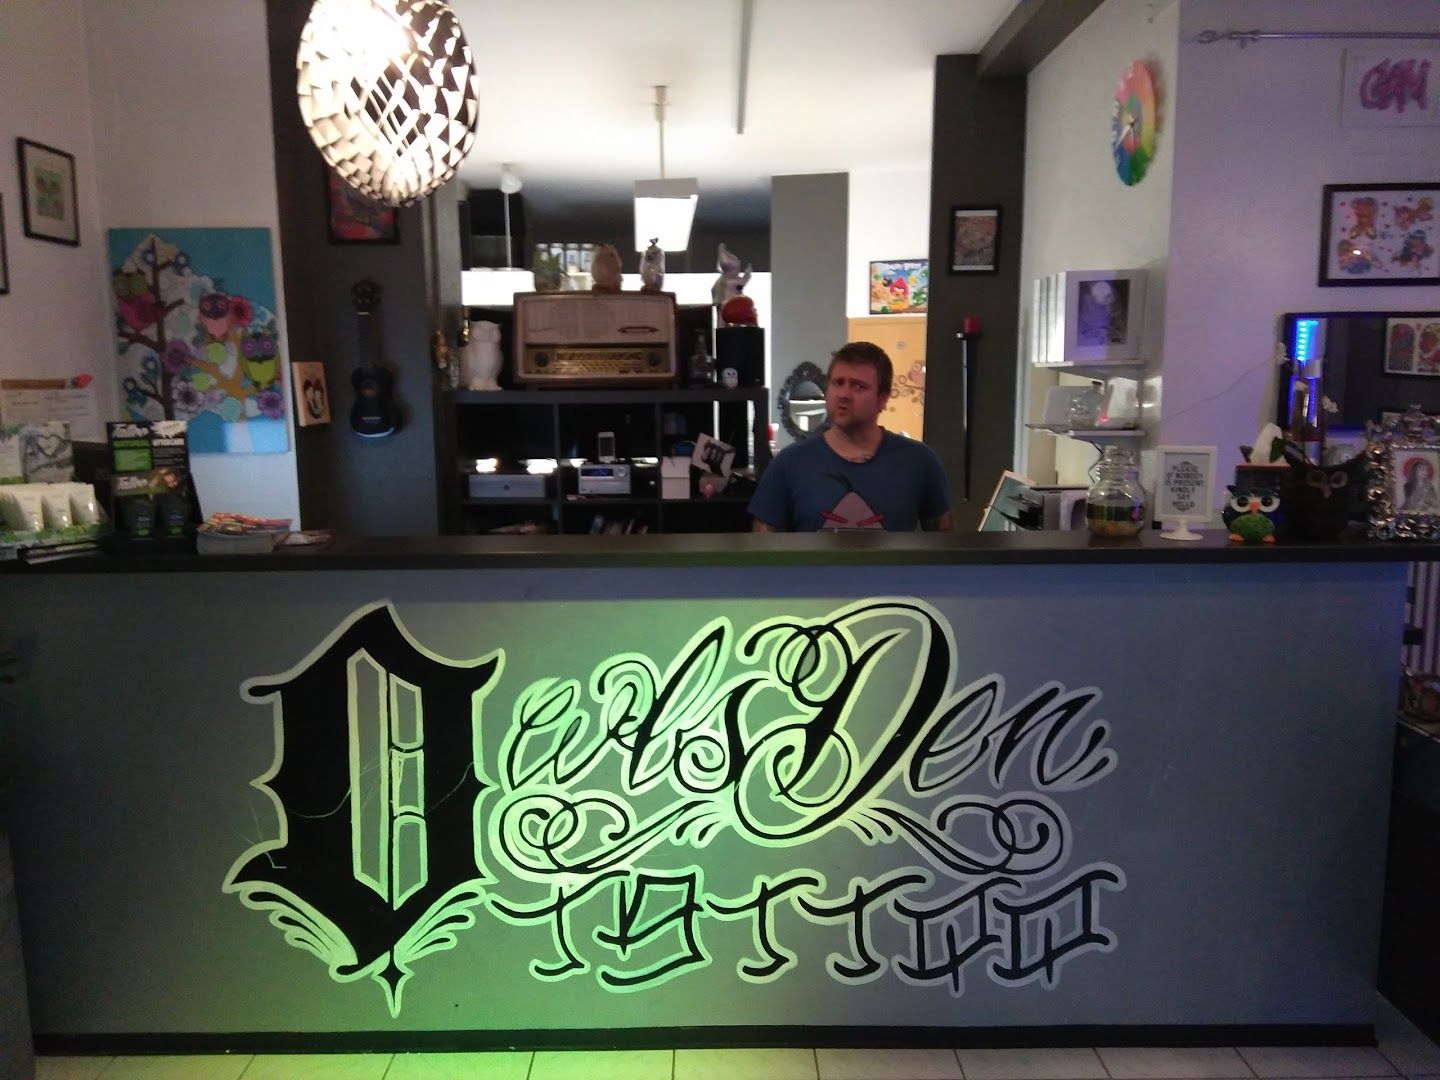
x: 542, y: 359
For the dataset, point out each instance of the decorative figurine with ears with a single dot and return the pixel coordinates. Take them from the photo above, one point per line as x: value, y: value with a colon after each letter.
x: 732, y: 281
x: 480, y: 357
x: 1319, y: 498
x: 652, y: 267
x: 605, y: 269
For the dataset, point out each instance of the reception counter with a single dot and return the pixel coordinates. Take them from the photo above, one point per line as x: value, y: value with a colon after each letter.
x: 985, y: 789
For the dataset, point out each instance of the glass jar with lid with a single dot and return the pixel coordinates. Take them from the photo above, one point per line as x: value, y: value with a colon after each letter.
x: 1115, y: 503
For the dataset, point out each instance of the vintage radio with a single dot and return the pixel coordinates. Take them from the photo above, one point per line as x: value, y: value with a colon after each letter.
x: 595, y: 339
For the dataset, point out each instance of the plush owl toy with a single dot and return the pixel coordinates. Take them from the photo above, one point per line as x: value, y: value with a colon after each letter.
x: 1251, y: 514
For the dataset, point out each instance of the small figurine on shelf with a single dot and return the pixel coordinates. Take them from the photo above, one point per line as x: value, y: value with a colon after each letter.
x: 732, y: 280
x: 652, y: 267
x: 549, y: 273
x: 1251, y: 515
x: 480, y: 357
x: 605, y: 270
x: 702, y: 365
x: 738, y: 311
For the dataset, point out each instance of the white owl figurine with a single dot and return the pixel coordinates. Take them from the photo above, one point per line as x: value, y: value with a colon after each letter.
x: 652, y: 267
x: 480, y: 358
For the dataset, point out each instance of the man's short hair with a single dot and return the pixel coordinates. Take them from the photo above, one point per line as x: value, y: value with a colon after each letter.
x: 865, y: 352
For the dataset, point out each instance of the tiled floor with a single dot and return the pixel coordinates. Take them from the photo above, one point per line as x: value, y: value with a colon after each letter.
x: 1403, y: 1052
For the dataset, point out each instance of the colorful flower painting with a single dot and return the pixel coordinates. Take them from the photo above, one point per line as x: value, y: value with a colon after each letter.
x: 899, y: 287
x: 1384, y: 234
x: 197, y: 337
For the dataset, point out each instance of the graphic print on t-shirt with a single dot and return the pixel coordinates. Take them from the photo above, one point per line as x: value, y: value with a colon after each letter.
x: 851, y: 512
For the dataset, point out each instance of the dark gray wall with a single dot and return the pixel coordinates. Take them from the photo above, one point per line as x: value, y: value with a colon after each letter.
x: 978, y: 159
x: 361, y: 487
x: 809, y: 223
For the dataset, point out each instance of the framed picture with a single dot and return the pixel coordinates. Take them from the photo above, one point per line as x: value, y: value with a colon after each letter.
x: 354, y: 218
x: 312, y: 397
x: 900, y: 287
x: 47, y: 193
x: 1187, y: 482
x: 1394, y: 86
x: 1412, y: 346
x: 975, y: 240
x: 4, y: 255
x: 1380, y: 234
x: 1103, y: 315
x: 1404, y: 487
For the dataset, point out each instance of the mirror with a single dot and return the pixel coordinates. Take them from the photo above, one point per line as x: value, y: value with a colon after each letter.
x: 802, y: 401
x: 1368, y: 363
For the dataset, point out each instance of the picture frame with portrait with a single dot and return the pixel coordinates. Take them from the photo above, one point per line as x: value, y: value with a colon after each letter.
x: 1104, y: 315
x: 312, y: 396
x: 1403, y: 455
x: 354, y: 218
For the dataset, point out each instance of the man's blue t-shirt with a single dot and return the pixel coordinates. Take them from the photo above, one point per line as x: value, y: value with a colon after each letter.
x: 809, y: 487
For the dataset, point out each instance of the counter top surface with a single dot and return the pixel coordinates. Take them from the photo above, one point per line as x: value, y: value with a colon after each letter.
x: 741, y: 549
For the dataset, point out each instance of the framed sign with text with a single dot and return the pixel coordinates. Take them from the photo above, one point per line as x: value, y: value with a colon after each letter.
x: 1186, y: 484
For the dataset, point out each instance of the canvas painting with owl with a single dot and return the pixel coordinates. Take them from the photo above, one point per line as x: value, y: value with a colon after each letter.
x: 196, y: 335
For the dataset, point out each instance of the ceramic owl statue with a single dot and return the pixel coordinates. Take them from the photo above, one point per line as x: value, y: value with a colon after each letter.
x: 480, y: 357
x: 1320, y: 499
x: 652, y: 267
x: 605, y: 269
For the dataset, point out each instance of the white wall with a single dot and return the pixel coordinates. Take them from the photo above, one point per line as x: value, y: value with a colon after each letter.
x: 52, y: 323
x: 183, y: 138
x: 168, y: 116
x: 1259, y: 137
x: 1078, y: 214
x: 889, y: 218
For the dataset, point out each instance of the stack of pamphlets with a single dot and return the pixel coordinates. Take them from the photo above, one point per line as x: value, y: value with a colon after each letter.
x: 239, y: 534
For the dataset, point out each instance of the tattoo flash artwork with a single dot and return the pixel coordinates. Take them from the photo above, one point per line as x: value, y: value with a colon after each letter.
x: 618, y: 816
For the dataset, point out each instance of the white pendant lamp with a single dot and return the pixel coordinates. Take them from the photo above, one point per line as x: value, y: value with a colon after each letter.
x: 664, y: 209
x: 388, y: 91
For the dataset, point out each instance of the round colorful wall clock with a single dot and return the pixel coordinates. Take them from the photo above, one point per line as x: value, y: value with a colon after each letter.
x: 1132, y: 123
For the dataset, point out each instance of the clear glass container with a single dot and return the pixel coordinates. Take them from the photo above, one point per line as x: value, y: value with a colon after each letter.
x: 1083, y: 412
x: 1115, y: 503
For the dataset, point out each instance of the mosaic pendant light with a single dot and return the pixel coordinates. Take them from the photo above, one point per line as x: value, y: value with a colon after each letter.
x: 388, y: 91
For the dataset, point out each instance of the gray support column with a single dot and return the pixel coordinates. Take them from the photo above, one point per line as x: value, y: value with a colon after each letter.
x: 809, y: 219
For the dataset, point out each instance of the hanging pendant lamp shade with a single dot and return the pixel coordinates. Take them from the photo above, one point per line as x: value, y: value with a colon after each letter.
x: 388, y: 91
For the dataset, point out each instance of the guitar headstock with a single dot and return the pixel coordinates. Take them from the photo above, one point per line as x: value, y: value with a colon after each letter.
x: 366, y: 292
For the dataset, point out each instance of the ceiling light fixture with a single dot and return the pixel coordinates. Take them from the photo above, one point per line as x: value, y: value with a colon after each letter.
x: 389, y: 93
x: 664, y: 209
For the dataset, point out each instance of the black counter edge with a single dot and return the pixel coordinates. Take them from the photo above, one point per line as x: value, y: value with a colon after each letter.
x: 747, y: 1036
x: 738, y: 550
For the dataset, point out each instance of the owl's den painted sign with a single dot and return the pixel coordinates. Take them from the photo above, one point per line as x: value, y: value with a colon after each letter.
x: 821, y: 780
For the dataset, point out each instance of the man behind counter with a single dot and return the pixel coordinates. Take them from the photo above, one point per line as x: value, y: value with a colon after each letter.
x: 855, y: 475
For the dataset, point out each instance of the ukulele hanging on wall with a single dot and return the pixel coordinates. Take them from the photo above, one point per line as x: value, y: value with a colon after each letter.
x: 375, y: 413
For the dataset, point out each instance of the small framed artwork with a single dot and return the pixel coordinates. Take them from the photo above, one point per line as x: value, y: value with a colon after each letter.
x: 47, y: 193
x: 900, y: 287
x: 1404, y: 488
x: 1412, y: 346
x: 975, y: 240
x: 1187, y: 483
x: 354, y: 218
x: 4, y: 255
x: 1104, y: 315
x: 312, y: 398
x: 1380, y: 234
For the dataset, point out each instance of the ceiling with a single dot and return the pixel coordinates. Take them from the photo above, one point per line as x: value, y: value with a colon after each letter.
x: 567, y: 94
